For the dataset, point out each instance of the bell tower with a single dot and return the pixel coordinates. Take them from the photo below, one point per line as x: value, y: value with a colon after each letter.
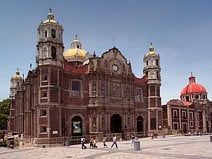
x: 50, y: 42
x: 15, y: 84
x: 152, y: 71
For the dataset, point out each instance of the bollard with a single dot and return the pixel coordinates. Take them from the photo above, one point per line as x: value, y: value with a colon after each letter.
x: 137, y: 146
x: 67, y: 143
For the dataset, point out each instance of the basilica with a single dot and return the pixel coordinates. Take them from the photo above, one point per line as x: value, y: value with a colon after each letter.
x: 72, y: 93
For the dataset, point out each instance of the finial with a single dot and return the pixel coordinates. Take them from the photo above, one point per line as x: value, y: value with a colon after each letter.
x: 50, y: 16
x: 192, y: 78
x: 113, y: 41
x: 75, y: 36
x: 151, y: 49
x: 17, y: 72
x: 50, y: 10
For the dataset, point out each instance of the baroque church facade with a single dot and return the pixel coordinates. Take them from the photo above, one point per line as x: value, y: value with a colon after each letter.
x: 72, y: 93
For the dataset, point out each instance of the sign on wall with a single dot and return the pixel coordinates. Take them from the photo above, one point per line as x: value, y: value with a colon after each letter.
x: 76, y: 127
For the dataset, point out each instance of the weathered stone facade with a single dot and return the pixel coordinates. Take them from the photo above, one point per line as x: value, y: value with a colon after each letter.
x: 73, y: 93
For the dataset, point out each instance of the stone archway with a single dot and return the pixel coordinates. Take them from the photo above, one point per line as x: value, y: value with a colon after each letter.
x: 140, y: 124
x: 76, y: 124
x: 116, y: 123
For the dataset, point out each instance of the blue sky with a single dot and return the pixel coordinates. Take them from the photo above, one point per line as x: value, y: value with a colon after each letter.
x: 180, y: 31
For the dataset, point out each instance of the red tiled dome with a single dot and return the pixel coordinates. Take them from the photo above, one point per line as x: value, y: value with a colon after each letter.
x: 193, y: 87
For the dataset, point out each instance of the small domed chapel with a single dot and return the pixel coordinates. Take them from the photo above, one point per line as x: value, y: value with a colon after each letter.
x: 192, y: 113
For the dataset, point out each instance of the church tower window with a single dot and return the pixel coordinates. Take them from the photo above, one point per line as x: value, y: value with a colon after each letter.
x: 53, y: 52
x: 45, y: 34
x: 53, y: 33
x: 44, y: 52
x: 157, y: 62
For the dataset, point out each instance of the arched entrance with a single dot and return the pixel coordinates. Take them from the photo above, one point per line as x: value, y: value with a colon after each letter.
x: 115, y: 123
x: 140, y: 125
x: 76, y: 124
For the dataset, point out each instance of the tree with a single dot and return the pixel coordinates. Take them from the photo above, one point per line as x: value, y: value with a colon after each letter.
x: 4, y: 113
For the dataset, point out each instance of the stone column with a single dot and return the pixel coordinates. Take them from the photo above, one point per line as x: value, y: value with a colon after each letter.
x: 169, y: 116
x: 204, y: 121
x: 180, y: 123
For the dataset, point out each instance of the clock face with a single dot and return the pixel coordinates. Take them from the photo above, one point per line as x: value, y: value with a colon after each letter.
x: 115, y: 67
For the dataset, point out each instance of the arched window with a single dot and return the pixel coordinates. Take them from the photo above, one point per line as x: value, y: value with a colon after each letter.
x: 53, y: 52
x: 102, y: 89
x: 157, y: 62
x: 53, y: 33
x: 76, y: 126
x: 45, y: 34
x: 44, y: 52
x: 138, y: 95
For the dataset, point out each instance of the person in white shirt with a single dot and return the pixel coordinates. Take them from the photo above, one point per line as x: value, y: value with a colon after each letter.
x: 114, y: 142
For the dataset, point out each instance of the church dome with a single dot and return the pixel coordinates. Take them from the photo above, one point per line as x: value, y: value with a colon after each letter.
x: 50, y: 18
x: 193, y: 87
x: 17, y: 76
x: 151, y: 51
x: 75, y: 53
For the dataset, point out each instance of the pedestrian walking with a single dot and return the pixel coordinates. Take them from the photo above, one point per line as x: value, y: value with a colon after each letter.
x: 94, y: 144
x: 114, y: 142
x: 91, y: 142
x: 83, y: 143
x: 104, y: 141
x: 132, y: 139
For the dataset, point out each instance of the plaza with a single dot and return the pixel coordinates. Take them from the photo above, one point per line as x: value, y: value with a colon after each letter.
x: 170, y: 147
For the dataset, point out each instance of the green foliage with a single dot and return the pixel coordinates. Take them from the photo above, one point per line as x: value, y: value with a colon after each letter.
x: 3, y: 121
x: 4, y: 113
x: 5, y: 106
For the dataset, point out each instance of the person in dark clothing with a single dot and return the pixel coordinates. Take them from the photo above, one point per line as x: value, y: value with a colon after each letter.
x: 83, y: 143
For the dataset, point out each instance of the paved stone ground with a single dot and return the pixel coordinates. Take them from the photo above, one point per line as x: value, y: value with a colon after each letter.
x: 171, y: 147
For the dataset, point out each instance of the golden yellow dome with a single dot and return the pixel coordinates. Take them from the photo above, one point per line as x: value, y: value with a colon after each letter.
x: 151, y: 51
x: 50, y: 21
x: 50, y: 18
x: 17, y: 75
x: 75, y: 54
